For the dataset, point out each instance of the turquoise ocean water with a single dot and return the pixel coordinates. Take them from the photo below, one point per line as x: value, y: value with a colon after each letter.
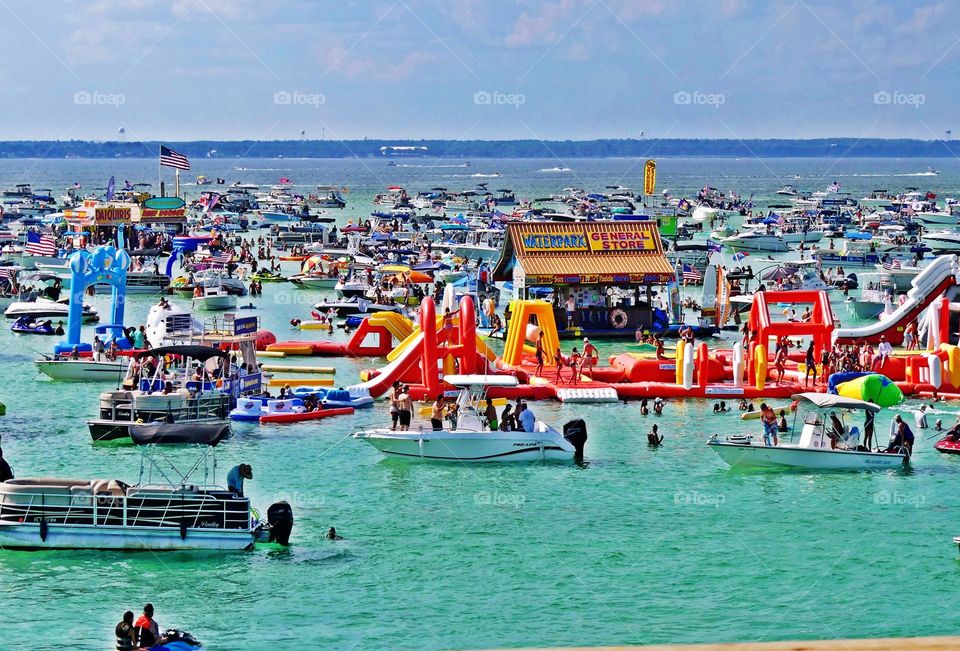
x: 634, y: 546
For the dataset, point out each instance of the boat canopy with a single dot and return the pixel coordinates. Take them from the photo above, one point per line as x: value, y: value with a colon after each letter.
x: 830, y: 401
x: 481, y: 380
x: 179, y: 434
x: 199, y: 353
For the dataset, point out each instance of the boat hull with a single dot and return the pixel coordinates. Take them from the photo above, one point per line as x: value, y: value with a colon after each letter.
x: 761, y: 456
x: 215, y: 303
x: 82, y: 370
x: 27, y: 535
x: 470, y: 446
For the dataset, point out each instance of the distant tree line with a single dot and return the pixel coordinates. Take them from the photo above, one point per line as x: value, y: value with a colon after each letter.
x: 467, y: 149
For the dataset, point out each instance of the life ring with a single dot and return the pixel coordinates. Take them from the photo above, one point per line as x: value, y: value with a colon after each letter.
x: 618, y: 319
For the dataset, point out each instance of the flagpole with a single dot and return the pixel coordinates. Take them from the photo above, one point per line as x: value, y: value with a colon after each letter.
x: 177, y: 171
x: 159, y: 172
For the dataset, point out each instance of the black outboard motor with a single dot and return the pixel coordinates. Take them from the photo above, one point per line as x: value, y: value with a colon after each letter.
x: 280, y: 519
x: 575, y: 431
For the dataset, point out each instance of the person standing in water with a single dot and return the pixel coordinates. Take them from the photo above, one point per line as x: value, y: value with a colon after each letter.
x: 654, y: 438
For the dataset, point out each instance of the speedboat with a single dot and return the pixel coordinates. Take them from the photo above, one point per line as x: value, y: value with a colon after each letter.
x: 314, y: 281
x: 355, y: 305
x: 46, y: 308
x: 820, y: 447
x: 163, y: 511
x: 788, y: 191
x: 84, y: 369
x: 471, y: 438
x: 213, y: 297
x: 943, y: 241
x: 753, y: 241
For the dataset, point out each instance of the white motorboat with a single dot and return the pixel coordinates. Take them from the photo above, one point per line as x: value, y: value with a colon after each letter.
x: 943, y: 241
x: 471, y: 438
x: 213, y: 297
x: 788, y: 191
x: 820, y: 446
x: 314, y: 281
x: 177, y: 512
x: 45, y: 308
x: 348, y: 288
x: 83, y: 369
x: 753, y: 241
x: 355, y: 305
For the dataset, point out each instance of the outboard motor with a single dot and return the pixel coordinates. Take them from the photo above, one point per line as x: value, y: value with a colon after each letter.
x: 280, y: 519
x: 575, y: 431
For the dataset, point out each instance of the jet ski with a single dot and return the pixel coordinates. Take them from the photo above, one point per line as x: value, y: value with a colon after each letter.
x: 27, y: 326
x: 949, y: 444
x: 268, y: 277
x: 174, y: 639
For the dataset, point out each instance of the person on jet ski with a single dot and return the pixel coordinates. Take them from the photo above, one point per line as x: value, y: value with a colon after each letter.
x: 147, y: 628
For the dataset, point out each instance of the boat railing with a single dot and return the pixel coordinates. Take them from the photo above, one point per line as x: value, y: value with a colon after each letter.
x: 78, y: 507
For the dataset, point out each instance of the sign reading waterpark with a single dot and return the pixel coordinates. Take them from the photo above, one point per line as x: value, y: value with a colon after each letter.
x: 632, y: 240
x: 245, y: 325
x: 563, y: 241
x: 111, y: 215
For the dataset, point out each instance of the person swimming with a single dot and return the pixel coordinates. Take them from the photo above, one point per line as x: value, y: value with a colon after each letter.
x: 654, y: 438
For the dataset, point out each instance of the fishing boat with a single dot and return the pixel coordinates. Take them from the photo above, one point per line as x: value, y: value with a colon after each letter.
x: 171, y: 397
x: 820, y: 446
x: 471, y: 438
x: 163, y: 511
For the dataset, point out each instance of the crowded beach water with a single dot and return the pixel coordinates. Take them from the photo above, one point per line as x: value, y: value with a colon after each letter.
x: 643, y: 533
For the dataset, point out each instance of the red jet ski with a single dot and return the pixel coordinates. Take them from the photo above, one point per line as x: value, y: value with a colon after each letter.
x: 949, y: 444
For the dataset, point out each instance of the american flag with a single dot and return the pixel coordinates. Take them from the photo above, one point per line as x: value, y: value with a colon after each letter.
x: 891, y: 265
x: 40, y: 245
x: 170, y: 158
x: 691, y: 274
x: 8, y: 272
x: 224, y: 258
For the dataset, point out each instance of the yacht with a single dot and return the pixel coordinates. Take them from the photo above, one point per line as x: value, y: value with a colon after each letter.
x: 471, y: 439
x: 820, y: 446
x: 162, y: 511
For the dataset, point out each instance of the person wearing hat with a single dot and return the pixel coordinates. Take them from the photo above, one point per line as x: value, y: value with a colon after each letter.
x: 590, y: 356
x: 236, y: 476
x: 884, y: 351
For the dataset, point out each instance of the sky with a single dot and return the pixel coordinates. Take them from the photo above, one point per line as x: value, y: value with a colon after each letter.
x: 477, y: 69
